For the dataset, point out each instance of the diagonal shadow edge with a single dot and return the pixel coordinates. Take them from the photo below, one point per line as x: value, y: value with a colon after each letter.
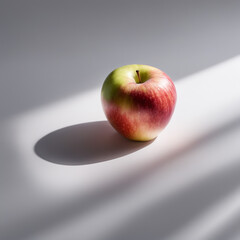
x: 74, y: 207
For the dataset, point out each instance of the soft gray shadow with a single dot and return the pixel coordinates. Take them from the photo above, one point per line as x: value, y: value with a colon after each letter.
x: 53, y: 44
x: 85, y: 143
x: 229, y: 231
x: 179, y: 209
x: 153, y: 223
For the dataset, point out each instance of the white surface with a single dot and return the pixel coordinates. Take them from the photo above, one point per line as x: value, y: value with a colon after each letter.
x: 176, y: 186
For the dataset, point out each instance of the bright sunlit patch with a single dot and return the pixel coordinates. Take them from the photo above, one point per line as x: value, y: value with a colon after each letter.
x: 206, y: 101
x: 193, y: 148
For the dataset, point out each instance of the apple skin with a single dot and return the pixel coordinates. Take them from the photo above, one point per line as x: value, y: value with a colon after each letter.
x: 138, y: 108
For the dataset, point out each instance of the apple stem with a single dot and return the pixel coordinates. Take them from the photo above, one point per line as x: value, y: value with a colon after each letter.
x: 139, y: 78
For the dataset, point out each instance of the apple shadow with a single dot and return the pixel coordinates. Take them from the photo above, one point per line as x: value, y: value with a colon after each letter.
x: 85, y: 143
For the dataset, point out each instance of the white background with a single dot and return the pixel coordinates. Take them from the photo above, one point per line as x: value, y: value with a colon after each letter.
x: 54, y: 56
x: 183, y: 184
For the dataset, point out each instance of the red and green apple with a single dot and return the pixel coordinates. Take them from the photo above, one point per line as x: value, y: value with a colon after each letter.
x: 138, y: 101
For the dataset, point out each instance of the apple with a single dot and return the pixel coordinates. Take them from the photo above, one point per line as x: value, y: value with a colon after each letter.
x: 138, y: 101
